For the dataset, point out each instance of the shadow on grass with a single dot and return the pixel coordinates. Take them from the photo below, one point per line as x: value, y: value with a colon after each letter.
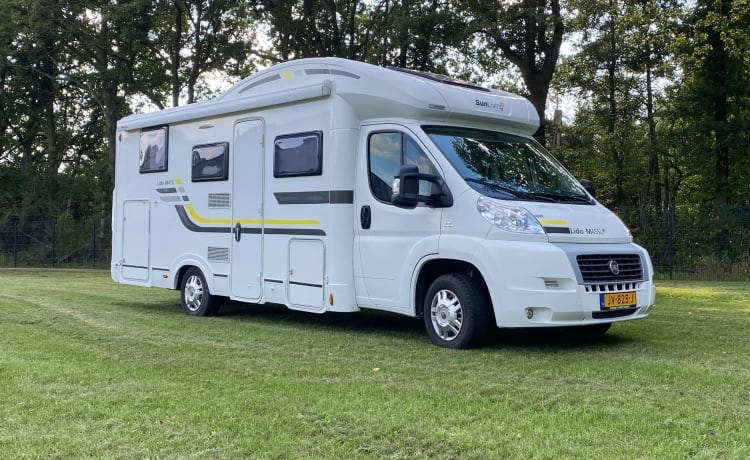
x: 554, y: 338
x: 365, y: 321
x: 391, y: 325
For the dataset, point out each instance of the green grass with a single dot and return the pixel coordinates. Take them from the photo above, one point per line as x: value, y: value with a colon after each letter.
x: 90, y: 369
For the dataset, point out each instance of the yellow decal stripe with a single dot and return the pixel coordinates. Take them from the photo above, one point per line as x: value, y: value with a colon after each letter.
x: 553, y: 222
x: 197, y: 218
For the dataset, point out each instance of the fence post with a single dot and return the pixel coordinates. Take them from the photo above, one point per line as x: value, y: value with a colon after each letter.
x: 54, y: 237
x: 670, y: 250
x: 15, y: 244
x: 93, y: 244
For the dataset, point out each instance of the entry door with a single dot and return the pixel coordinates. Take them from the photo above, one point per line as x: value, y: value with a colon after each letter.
x: 391, y: 240
x: 247, y: 210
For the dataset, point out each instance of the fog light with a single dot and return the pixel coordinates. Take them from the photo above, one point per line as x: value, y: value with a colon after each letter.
x: 529, y: 313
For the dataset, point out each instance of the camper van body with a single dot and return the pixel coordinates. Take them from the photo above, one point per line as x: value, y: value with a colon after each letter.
x: 280, y: 191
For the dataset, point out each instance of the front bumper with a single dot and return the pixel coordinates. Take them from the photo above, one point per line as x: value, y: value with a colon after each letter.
x: 540, y: 285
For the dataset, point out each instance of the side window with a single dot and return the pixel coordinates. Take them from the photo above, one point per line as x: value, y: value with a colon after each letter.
x: 210, y: 162
x: 298, y: 155
x: 385, y: 159
x: 387, y: 152
x: 152, y: 155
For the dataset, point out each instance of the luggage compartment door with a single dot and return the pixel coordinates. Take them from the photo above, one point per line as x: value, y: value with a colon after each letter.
x: 306, y: 272
x: 136, y: 230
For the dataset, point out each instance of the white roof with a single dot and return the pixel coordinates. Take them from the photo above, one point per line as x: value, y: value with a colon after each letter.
x: 372, y: 92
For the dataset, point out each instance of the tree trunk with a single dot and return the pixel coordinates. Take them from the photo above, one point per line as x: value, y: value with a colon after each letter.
x: 654, y: 185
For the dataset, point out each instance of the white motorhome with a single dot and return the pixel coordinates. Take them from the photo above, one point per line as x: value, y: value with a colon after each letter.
x: 332, y: 185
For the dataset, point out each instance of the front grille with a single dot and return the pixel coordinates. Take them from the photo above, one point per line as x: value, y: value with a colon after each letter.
x: 612, y: 287
x: 597, y: 268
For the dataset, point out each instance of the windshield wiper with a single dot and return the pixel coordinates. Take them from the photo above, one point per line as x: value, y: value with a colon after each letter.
x: 519, y: 194
x: 563, y: 198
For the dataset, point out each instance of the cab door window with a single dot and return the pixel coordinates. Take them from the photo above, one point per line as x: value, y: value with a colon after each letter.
x: 387, y: 151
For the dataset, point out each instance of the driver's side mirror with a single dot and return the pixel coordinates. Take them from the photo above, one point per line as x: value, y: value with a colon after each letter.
x: 406, y: 189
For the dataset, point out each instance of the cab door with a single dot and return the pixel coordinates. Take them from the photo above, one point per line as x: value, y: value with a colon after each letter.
x: 390, y: 241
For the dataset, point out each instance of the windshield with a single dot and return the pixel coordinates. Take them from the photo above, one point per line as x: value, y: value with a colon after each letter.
x: 504, y: 166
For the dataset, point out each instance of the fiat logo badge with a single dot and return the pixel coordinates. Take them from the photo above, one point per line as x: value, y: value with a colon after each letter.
x: 614, y: 267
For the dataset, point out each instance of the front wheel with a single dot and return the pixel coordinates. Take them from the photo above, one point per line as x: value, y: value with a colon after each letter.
x: 456, y: 313
x: 196, y: 298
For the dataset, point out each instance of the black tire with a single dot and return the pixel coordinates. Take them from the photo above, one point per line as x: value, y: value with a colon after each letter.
x: 456, y: 312
x: 196, y: 299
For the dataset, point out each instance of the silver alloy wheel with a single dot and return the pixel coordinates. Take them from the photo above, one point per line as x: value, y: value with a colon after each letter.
x: 193, y: 293
x: 447, y: 316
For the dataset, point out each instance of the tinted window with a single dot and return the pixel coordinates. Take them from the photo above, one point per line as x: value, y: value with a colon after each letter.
x: 152, y: 155
x: 298, y: 155
x: 210, y: 162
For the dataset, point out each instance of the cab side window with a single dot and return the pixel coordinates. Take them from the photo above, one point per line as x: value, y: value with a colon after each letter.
x: 387, y: 151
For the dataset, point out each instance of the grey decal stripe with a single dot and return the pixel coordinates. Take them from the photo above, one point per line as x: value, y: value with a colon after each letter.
x: 294, y: 231
x: 557, y: 230
x: 316, y: 197
x: 134, y: 266
x: 190, y: 225
x: 306, y: 284
x: 166, y: 190
x: 261, y: 82
x: 312, y: 197
x: 342, y: 196
x: 196, y: 228
x: 342, y: 73
x: 269, y: 280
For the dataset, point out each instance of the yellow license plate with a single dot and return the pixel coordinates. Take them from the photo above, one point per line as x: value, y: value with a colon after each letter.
x: 617, y: 300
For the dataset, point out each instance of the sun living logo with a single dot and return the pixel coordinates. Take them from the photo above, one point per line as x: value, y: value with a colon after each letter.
x: 499, y: 106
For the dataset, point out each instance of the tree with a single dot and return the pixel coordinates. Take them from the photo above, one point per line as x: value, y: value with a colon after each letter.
x: 711, y: 106
x: 195, y: 37
x: 529, y: 33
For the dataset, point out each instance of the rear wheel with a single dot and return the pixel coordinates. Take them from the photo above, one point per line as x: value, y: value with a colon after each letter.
x: 197, y: 300
x: 456, y: 313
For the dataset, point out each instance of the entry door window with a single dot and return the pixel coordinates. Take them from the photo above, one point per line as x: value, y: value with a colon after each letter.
x: 387, y: 152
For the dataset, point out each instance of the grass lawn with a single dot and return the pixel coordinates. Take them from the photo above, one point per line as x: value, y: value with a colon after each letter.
x: 90, y: 369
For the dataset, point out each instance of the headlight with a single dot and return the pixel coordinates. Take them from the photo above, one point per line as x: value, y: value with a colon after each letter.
x: 509, y: 219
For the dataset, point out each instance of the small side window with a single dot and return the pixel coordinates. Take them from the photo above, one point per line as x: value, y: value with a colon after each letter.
x: 152, y: 156
x: 210, y: 162
x: 298, y: 155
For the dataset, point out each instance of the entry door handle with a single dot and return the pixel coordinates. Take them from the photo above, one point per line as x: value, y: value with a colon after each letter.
x: 237, y: 231
x: 365, y: 217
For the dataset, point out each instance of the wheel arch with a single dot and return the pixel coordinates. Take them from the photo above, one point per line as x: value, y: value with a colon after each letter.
x: 187, y: 262
x: 434, y: 268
